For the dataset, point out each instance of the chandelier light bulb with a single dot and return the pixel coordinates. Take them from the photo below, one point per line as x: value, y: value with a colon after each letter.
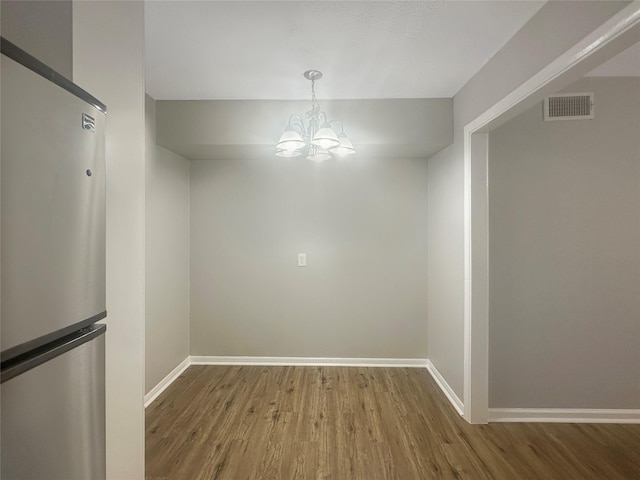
x: 344, y: 149
x: 326, y: 138
x: 288, y: 153
x: 290, y: 141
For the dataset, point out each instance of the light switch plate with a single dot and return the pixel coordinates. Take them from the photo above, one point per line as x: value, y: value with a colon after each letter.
x: 302, y: 259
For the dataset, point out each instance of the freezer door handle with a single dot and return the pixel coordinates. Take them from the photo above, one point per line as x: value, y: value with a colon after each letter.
x: 23, y: 363
x: 53, y: 415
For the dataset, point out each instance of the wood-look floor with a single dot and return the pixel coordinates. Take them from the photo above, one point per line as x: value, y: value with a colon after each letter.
x: 339, y: 423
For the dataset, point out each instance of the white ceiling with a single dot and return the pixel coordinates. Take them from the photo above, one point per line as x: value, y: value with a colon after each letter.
x: 366, y: 49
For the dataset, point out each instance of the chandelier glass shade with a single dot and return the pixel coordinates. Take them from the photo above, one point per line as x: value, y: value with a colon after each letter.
x: 317, y: 140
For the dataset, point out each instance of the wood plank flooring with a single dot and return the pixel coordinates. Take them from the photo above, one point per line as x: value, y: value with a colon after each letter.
x: 344, y: 423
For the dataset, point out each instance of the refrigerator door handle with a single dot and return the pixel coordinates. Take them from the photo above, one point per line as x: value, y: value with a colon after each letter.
x: 9, y: 354
x: 21, y: 364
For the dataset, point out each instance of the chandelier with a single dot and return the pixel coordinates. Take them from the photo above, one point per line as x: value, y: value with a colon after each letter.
x: 318, y: 141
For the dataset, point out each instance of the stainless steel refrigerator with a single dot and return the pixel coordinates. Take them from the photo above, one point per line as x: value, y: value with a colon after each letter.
x: 52, y: 274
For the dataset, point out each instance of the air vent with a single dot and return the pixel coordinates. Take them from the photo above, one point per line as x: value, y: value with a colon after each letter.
x: 569, y: 106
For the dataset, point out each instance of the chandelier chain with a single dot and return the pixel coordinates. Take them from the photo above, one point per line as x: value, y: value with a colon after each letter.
x: 315, y: 105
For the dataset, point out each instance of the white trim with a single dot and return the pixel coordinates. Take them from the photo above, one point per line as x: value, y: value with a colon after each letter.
x: 475, y: 275
x: 446, y: 389
x: 165, y: 382
x: 564, y: 415
x: 310, y: 361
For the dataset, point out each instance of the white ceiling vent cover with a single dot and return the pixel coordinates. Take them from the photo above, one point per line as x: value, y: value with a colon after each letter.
x: 568, y: 106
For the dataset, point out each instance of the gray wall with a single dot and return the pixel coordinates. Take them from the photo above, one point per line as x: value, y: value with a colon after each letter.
x: 108, y: 61
x: 42, y: 28
x: 445, y: 258
x: 539, y: 42
x: 362, y: 224
x: 167, y: 257
x: 564, y: 255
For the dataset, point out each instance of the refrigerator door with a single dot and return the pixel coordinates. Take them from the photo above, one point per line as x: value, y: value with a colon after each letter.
x: 53, y: 210
x: 53, y: 413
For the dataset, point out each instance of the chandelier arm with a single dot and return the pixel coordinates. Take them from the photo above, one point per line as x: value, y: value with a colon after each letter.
x: 299, y: 124
x: 339, y: 123
x: 326, y: 120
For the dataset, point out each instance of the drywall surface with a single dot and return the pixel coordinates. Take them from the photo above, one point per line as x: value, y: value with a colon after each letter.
x: 167, y: 257
x: 551, y: 31
x: 564, y: 255
x: 226, y: 129
x: 43, y: 29
x: 361, y: 224
x: 108, y: 54
x: 446, y: 264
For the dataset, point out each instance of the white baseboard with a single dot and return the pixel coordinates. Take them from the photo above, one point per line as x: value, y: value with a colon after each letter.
x: 165, y: 382
x: 564, y: 415
x: 446, y: 389
x: 278, y: 361
x: 310, y: 361
x: 549, y: 415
